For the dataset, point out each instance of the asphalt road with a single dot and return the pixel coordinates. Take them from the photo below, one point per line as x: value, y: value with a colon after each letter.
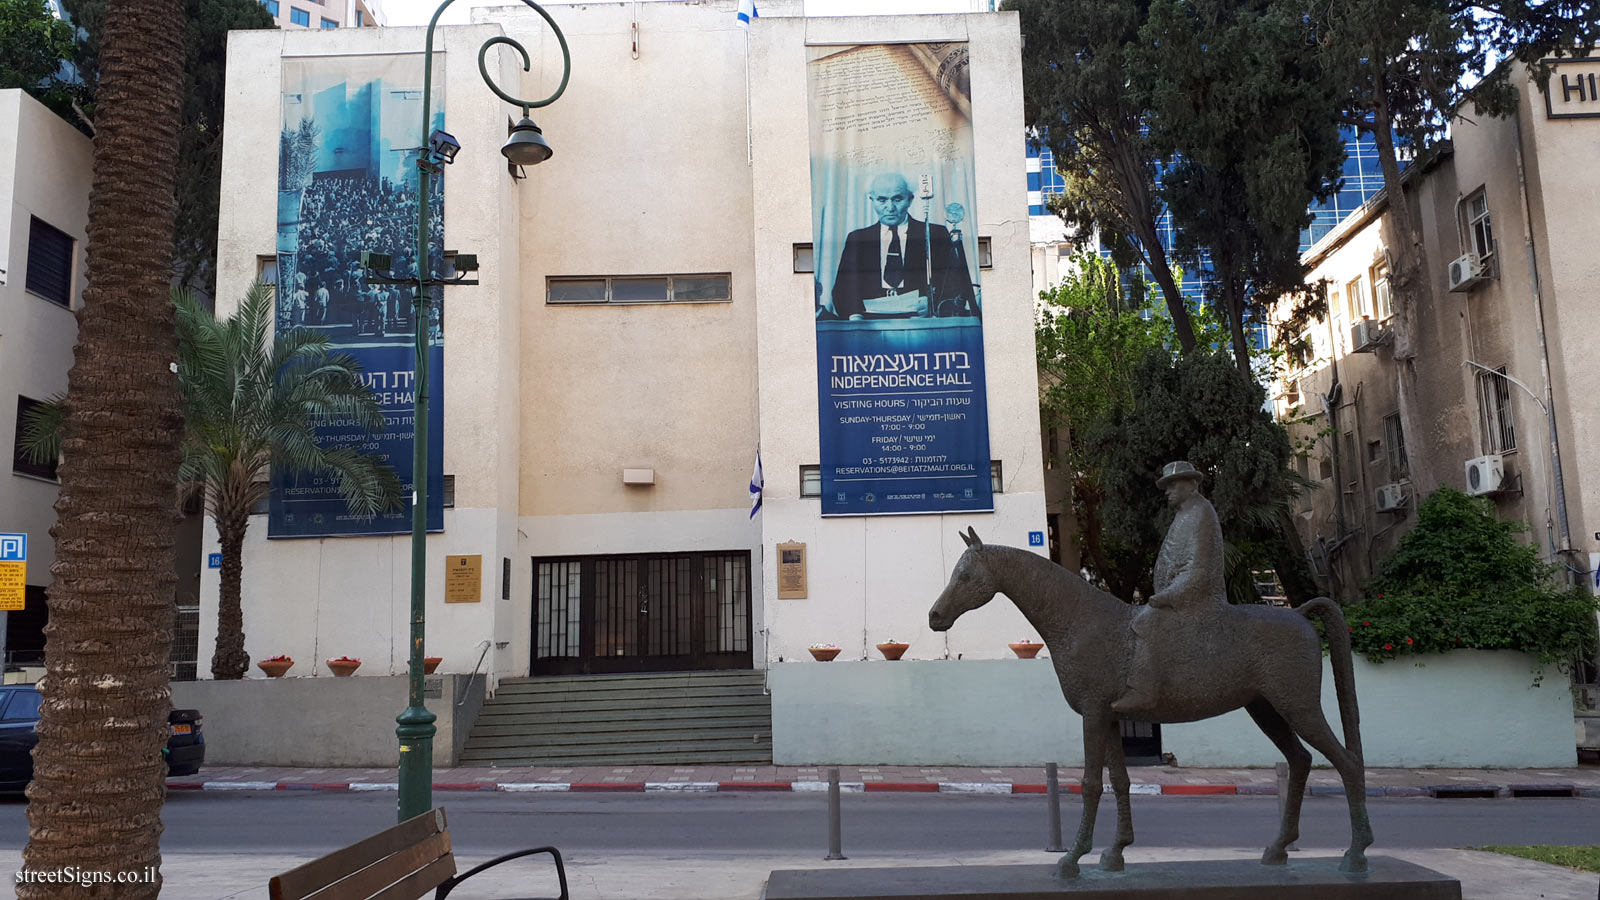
x: 710, y: 826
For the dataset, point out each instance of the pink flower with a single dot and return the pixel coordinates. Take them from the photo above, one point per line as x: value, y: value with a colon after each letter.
x: 1388, y: 646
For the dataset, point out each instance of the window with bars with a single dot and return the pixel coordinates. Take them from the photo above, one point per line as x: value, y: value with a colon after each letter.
x: 1394, y: 439
x: 621, y: 289
x: 1494, y: 401
x: 557, y: 587
x: 49, y: 263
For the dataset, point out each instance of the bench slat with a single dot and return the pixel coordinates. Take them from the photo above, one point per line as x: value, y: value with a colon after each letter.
x: 301, y: 882
x: 392, y: 869
x: 416, y: 884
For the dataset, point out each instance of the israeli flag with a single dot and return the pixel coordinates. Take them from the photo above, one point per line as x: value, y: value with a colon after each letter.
x: 747, y: 11
x: 756, y: 484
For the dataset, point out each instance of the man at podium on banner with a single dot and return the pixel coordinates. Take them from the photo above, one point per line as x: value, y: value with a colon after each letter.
x: 886, y: 271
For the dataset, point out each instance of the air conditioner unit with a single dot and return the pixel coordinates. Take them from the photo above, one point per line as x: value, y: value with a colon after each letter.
x: 1486, y: 474
x: 1391, y: 497
x: 1466, y: 272
x: 1364, y: 335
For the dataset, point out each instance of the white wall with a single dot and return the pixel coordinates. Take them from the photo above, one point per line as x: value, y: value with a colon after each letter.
x: 45, y: 169
x: 999, y: 712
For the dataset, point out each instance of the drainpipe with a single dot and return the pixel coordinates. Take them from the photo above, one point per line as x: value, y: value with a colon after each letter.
x: 1544, y: 350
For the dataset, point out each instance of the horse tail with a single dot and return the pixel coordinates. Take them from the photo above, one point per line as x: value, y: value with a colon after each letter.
x: 1343, y: 668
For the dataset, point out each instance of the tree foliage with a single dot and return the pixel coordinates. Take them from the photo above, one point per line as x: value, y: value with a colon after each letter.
x: 1248, y: 119
x: 33, y: 44
x: 1461, y: 579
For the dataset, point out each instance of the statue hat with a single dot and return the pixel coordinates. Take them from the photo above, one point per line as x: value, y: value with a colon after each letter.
x: 1176, y: 471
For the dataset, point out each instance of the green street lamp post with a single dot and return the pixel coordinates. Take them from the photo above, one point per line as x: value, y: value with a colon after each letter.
x: 525, y: 147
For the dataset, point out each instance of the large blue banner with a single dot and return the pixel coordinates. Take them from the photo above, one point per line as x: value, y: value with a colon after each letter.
x: 347, y: 182
x: 900, y: 376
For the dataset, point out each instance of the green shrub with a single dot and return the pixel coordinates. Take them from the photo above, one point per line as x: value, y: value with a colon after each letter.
x: 1461, y: 580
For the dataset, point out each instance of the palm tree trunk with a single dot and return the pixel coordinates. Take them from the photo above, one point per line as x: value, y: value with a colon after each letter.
x: 99, y: 779
x: 230, y: 661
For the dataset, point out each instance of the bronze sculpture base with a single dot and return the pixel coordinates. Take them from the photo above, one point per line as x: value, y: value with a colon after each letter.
x: 1302, y: 879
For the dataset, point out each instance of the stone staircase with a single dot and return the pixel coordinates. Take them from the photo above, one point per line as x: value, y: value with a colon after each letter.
x: 673, y: 718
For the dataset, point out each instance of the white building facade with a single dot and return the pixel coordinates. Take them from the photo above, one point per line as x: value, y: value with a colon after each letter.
x: 600, y: 453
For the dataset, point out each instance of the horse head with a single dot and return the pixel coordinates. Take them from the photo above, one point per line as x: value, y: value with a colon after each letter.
x: 970, y: 587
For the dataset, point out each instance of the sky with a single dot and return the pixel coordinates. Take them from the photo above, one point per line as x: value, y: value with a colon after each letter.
x: 417, y: 12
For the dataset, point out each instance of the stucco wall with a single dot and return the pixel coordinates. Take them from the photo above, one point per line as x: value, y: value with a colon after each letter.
x: 295, y: 721
x: 1463, y: 709
x: 44, y: 171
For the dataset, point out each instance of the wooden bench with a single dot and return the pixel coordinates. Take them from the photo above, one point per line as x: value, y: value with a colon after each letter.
x: 401, y: 863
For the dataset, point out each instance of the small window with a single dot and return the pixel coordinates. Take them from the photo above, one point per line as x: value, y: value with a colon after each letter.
x: 1357, y: 299
x: 264, y: 505
x: 1382, y: 305
x: 715, y: 287
x: 985, y: 254
x: 1374, y: 451
x: 996, y: 482
x: 329, y: 23
x: 267, y: 269
x: 1302, y: 465
x: 447, y: 493
x: 804, y: 259
x: 299, y: 17
x: 1478, y: 225
x: 1324, y: 468
x: 811, y: 481
x: 272, y: 7
x: 19, y: 462
x: 1394, y: 437
x: 50, y: 263
x: 1494, y: 400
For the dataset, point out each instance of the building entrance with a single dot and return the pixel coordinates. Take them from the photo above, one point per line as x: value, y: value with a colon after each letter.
x: 641, y: 613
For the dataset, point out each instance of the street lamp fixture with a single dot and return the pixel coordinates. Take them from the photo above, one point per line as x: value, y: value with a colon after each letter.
x: 526, y: 146
x: 414, y: 725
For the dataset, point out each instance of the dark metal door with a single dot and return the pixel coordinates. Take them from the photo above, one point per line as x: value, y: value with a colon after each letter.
x: 641, y: 613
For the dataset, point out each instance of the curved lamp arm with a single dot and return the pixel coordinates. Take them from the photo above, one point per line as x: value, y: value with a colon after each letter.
x: 527, y: 65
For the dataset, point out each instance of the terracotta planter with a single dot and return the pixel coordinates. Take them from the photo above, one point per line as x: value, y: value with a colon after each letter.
x: 343, y: 668
x: 429, y: 663
x: 275, y: 667
x: 1026, y: 649
x: 893, y: 649
x: 824, y: 654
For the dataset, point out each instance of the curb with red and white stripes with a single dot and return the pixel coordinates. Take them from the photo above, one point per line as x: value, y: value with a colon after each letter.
x: 871, y: 787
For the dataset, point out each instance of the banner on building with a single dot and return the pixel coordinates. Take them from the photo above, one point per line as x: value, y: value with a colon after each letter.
x: 899, y: 311
x: 347, y: 182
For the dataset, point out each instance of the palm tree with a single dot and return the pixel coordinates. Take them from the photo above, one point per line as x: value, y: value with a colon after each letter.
x: 253, y: 402
x: 99, y: 780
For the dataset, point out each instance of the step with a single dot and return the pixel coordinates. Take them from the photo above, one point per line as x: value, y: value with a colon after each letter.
x: 641, y: 706
x: 630, y: 691
x: 536, y: 728
x: 605, y: 682
x: 763, y: 758
x: 752, y: 747
x: 665, y: 740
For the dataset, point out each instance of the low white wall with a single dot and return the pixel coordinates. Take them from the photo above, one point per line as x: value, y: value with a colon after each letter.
x: 324, y: 721
x: 1463, y: 709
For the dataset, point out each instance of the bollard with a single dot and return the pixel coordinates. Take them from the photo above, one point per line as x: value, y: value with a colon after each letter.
x: 1053, y: 789
x: 835, y: 838
x: 1283, y: 794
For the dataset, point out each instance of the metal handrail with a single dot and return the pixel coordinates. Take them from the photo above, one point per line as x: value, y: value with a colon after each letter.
x: 485, y: 646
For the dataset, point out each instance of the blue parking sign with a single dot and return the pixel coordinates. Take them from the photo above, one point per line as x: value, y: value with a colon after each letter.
x: 14, y: 547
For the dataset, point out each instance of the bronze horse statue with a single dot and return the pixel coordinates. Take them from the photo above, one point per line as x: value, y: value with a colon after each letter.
x: 1264, y: 659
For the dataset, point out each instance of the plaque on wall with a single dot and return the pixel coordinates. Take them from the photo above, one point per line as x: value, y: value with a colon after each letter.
x: 463, y: 579
x: 791, y: 571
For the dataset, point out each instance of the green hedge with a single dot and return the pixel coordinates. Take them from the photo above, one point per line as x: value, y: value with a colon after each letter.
x: 1461, y: 579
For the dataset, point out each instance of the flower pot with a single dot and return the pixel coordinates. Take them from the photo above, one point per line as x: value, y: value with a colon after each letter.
x: 344, y: 668
x: 1026, y: 649
x: 275, y: 667
x: 824, y: 654
x: 893, y: 649
x: 429, y: 663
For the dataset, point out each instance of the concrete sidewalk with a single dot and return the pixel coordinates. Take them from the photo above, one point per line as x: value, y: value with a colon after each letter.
x: 1166, y: 780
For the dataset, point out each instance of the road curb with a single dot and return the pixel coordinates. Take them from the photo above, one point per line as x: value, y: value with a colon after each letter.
x: 1454, y: 791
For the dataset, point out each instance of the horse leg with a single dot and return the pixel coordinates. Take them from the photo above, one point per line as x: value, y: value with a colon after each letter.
x: 1282, y: 736
x: 1094, y: 745
x: 1309, y: 723
x: 1111, y: 857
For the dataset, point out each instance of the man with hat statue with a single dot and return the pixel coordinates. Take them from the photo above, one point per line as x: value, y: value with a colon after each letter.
x: 1189, y: 584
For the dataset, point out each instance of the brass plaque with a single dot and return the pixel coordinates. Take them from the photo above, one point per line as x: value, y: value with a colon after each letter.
x: 791, y: 571
x: 13, y: 586
x: 463, y: 578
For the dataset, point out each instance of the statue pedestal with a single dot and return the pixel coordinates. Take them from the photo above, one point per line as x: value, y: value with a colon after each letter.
x: 1301, y: 879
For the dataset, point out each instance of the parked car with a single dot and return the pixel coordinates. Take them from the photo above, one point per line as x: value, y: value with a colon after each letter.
x: 19, y: 714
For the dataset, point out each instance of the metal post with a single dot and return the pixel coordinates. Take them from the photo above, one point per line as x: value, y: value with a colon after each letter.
x: 1283, y: 794
x: 1052, y: 785
x: 835, y: 837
